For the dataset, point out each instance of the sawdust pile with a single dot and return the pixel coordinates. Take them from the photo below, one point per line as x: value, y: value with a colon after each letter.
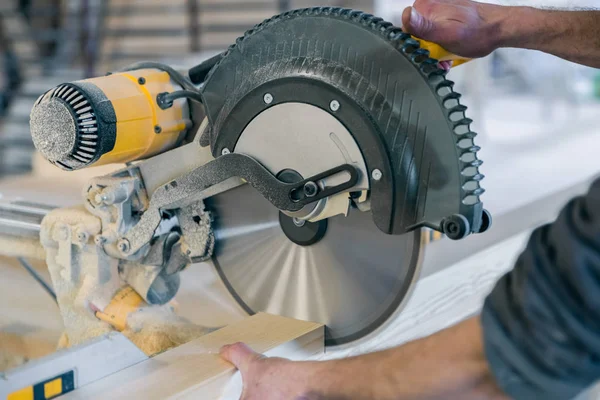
x: 81, y: 275
x: 19, y: 348
x: 157, y: 329
x: 153, y: 330
x: 84, y: 276
x: 80, y: 323
x: 9, y: 360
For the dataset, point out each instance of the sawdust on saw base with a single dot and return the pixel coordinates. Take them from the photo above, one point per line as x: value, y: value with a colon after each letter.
x: 19, y: 348
x: 80, y: 322
x: 10, y: 361
x: 157, y: 329
x: 153, y: 330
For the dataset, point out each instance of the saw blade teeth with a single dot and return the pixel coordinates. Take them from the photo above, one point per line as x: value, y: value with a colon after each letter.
x: 461, y: 130
x: 476, y: 163
x: 462, y: 121
x: 477, y: 177
x: 456, y: 114
x: 458, y: 108
x: 384, y: 26
x: 451, y: 96
x: 472, y: 149
x: 374, y: 22
x: 430, y: 61
x: 477, y: 192
x: 444, y: 87
x: 466, y: 143
x: 438, y: 72
x: 420, y: 55
x: 396, y: 34
x: 428, y: 69
x: 355, y: 15
x: 470, y: 186
x: 410, y: 42
x: 469, y: 171
x: 467, y: 157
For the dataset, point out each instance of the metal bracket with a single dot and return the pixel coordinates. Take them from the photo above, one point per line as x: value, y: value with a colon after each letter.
x: 215, y: 177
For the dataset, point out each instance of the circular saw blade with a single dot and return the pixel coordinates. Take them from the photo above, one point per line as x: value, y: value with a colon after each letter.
x: 353, y: 280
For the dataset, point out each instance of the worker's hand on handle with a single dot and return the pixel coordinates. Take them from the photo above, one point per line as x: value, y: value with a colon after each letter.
x: 463, y: 27
x: 470, y: 29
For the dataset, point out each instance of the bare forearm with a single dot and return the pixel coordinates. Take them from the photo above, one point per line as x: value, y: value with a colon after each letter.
x: 447, y: 365
x: 571, y: 35
x: 473, y: 29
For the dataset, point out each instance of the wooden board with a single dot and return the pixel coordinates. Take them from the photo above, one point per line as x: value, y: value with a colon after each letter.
x: 195, y: 370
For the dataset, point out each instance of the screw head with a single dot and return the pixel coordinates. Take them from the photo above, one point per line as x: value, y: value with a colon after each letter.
x: 142, y: 80
x: 452, y: 228
x: 334, y: 105
x: 225, y: 151
x: 83, y: 237
x: 157, y: 129
x: 124, y: 246
x: 376, y: 174
x: 268, y: 98
x: 310, y: 189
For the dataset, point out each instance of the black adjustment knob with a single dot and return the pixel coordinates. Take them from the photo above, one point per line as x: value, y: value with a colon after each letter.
x: 456, y: 227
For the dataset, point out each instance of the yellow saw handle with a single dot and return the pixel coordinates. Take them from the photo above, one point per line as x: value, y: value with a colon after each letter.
x: 439, y: 53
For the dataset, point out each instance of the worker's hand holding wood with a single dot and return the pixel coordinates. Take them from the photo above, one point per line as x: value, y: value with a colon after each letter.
x: 271, y: 378
x: 447, y: 365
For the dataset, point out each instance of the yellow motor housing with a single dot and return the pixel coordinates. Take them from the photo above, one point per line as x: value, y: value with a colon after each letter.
x: 110, y: 119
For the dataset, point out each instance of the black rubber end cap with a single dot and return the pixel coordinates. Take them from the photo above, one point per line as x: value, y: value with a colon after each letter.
x: 456, y: 227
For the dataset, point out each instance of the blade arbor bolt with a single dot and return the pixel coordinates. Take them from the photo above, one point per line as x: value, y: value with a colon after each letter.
x: 310, y: 189
x: 268, y: 98
x: 299, y: 222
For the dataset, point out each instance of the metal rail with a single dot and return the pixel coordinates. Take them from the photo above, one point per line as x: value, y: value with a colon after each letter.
x: 22, y: 219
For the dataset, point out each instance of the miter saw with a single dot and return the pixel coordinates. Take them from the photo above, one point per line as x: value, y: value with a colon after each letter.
x: 304, y: 162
